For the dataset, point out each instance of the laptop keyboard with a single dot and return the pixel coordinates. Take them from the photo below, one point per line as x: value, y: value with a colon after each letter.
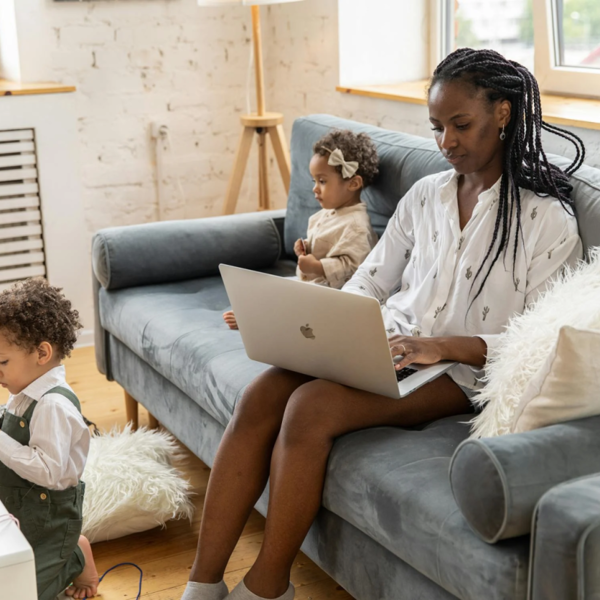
x: 404, y: 373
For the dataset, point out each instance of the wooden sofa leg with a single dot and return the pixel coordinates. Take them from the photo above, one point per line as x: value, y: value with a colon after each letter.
x: 152, y: 421
x: 131, y: 409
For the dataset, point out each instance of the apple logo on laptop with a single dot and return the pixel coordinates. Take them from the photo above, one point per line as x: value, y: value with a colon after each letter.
x: 307, y: 332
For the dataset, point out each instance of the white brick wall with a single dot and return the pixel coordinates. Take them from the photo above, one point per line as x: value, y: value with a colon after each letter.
x: 135, y: 61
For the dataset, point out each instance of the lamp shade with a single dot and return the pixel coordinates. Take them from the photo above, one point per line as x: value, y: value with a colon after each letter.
x: 244, y: 2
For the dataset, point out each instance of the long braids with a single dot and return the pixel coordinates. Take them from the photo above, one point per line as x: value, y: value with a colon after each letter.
x: 525, y: 164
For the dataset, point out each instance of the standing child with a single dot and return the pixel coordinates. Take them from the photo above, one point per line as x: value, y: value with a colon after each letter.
x: 339, y: 236
x: 44, y: 441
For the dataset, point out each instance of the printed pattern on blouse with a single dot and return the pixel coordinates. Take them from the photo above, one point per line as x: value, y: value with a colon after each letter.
x: 433, y: 265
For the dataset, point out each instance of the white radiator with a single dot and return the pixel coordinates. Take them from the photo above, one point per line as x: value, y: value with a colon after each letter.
x: 22, y: 253
x: 42, y: 224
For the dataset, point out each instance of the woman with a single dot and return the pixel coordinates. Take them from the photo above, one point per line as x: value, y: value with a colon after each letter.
x: 467, y: 249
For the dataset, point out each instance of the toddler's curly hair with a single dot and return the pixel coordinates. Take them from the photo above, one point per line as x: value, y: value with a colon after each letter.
x: 358, y: 147
x: 32, y: 312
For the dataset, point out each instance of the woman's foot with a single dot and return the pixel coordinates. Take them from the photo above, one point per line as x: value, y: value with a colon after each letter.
x: 241, y: 592
x: 86, y: 584
x: 229, y: 318
x: 205, y: 591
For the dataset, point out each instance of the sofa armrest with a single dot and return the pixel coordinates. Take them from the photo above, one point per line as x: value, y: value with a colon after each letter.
x: 498, y: 481
x: 177, y: 250
x: 565, y: 550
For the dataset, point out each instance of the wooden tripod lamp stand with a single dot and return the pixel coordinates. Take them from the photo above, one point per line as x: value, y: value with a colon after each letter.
x: 261, y: 123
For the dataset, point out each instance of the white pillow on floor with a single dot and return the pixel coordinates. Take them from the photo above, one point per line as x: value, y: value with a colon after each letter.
x: 567, y: 385
x: 131, y: 484
x: 573, y: 300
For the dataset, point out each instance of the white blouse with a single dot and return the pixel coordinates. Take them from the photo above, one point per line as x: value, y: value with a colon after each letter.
x: 60, y: 441
x: 423, y: 268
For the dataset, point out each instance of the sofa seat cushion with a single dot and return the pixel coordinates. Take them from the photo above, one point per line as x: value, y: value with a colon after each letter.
x: 393, y: 485
x: 178, y: 329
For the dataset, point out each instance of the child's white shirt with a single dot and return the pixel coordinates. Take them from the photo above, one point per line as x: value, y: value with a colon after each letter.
x: 60, y: 441
x: 341, y: 239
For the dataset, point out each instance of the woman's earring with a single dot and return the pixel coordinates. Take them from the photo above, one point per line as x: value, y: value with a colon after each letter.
x: 502, y: 134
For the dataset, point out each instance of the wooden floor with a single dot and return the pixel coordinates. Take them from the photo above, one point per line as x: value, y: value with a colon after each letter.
x: 166, y: 556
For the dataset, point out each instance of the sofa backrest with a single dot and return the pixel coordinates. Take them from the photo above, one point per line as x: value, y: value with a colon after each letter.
x: 404, y: 159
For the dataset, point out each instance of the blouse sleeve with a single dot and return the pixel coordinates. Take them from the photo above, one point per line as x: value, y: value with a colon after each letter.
x: 381, y: 272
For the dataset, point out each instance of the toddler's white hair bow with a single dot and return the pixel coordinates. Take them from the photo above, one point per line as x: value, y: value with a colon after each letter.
x: 336, y: 158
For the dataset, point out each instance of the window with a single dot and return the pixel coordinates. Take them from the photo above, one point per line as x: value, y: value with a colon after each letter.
x: 578, y: 33
x: 559, y: 40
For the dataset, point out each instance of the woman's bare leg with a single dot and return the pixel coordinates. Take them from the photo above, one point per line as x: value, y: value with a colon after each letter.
x: 316, y: 414
x: 241, y: 470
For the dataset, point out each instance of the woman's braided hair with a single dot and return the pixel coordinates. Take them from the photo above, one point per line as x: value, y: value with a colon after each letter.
x: 525, y: 164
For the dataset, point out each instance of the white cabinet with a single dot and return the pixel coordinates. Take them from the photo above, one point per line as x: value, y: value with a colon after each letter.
x: 17, y: 568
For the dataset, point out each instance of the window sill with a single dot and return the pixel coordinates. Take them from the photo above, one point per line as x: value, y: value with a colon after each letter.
x: 560, y: 110
x: 13, y: 88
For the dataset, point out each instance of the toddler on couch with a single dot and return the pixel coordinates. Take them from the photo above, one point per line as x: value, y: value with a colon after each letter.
x: 340, y: 235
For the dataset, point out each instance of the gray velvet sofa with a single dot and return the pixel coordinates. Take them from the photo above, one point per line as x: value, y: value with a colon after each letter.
x: 407, y: 514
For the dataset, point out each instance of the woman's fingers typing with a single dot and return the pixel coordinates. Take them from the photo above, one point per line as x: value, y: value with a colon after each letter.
x: 413, y: 350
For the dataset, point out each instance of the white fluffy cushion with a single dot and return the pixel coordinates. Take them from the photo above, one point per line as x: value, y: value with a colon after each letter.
x: 566, y: 387
x: 131, y: 484
x: 573, y: 300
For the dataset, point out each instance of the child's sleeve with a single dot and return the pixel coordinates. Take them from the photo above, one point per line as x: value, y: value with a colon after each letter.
x: 55, y: 432
x: 345, y: 257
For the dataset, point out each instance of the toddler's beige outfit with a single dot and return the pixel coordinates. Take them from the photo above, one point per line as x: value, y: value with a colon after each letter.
x: 341, y: 239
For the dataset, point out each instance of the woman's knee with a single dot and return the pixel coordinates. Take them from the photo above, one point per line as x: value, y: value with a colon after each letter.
x: 263, y: 402
x: 309, y: 415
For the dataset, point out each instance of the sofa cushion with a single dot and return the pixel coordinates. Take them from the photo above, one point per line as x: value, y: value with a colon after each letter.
x: 178, y: 329
x: 393, y: 485
x: 179, y: 250
x: 518, y: 470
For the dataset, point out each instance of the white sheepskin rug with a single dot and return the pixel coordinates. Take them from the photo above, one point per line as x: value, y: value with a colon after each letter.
x: 131, y: 484
x: 573, y: 299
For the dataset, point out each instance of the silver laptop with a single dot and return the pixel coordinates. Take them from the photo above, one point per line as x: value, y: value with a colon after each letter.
x: 319, y: 331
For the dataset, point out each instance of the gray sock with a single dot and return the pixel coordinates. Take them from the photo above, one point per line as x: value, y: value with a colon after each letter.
x: 205, y: 591
x: 241, y: 592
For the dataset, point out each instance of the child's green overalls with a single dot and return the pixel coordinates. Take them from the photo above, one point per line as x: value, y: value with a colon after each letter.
x: 50, y: 519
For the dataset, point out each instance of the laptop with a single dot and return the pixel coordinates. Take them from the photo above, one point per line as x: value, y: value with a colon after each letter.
x: 319, y: 331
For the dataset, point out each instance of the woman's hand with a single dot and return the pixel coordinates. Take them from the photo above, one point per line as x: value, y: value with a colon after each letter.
x: 428, y: 351
x: 310, y: 265
x: 300, y: 247
x: 424, y: 351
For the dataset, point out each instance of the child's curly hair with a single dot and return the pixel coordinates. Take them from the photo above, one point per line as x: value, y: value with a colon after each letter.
x: 32, y: 312
x: 358, y: 147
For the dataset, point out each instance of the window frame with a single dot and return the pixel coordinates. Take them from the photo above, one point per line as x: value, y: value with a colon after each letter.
x: 552, y: 77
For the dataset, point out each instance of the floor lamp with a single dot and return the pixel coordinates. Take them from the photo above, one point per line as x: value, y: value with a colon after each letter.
x: 261, y: 123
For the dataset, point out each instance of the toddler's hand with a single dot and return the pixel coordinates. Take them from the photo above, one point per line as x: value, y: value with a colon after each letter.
x: 310, y: 265
x: 230, y: 319
x: 299, y: 247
